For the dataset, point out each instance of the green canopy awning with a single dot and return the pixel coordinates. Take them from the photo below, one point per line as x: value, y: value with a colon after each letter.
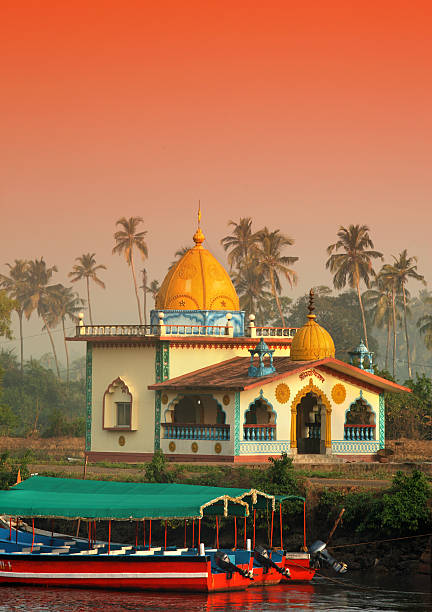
x: 91, y: 499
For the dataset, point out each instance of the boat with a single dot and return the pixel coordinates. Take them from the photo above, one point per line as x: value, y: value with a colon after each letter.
x: 38, y: 558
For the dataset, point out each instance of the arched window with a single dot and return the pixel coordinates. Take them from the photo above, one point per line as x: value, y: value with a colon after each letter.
x: 117, y: 406
x: 260, y: 421
x: 360, y: 423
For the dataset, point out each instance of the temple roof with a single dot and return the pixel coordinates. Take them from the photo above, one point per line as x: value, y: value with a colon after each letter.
x: 197, y: 282
x: 232, y: 375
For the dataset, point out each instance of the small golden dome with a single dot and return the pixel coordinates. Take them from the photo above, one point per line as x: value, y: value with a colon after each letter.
x: 311, y: 341
x: 197, y: 282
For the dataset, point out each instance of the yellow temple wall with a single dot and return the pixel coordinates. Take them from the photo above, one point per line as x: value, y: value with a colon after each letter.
x: 135, y: 366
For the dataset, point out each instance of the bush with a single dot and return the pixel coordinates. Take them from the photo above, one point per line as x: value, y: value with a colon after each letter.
x: 9, y: 469
x: 156, y: 469
x: 405, y: 506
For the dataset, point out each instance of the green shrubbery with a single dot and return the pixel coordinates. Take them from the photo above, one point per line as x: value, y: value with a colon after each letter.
x: 37, y: 402
x: 9, y: 469
x: 402, y: 509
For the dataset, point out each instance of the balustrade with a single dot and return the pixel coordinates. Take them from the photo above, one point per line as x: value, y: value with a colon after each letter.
x: 259, y: 433
x: 287, y: 332
x: 359, y: 432
x: 195, y: 330
x: 195, y: 431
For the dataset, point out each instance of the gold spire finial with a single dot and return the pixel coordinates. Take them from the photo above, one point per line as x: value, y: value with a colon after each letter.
x: 199, y: 237
x: 311, y: 306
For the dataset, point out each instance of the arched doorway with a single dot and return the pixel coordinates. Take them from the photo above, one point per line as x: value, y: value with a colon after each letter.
x: 311, y: 421
x: 310, y: 425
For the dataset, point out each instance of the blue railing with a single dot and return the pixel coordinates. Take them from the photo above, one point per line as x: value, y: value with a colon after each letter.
x: 195, y: 431
x: 359, y: 432
x: 259, y: 433
x: 314, y: 431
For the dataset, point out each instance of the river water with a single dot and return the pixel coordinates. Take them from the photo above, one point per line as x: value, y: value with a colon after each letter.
x: 347, y: 594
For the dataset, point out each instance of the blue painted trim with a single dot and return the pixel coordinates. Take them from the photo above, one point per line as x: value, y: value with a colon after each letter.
x: 381, y: 420
x: 237, y: 423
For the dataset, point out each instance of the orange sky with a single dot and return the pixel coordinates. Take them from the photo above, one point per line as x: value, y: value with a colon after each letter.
x: 303, y: 115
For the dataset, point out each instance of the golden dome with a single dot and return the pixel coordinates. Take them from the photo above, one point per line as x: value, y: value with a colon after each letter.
x: 311, y: 341
x: 197, y: 282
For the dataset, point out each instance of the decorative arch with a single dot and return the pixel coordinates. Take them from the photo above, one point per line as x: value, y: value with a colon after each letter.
x: 300, y: 395
x: 170, y: 409
x: 109, y: 420
x: 263, y: 399
x: 360, y: 420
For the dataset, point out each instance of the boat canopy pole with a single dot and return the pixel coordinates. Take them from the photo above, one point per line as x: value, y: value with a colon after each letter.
x: 235, y: 533
x: 199, y: 532
x: 185, y: 534
x: 33, y: 535
x: 10, y: 528
x: 253, y: 546
x: 245, y: 532
x: 304, y: 525
x: 136, y: 534
x: 193, y: 533
x: 109, y: 536
x: 280, y: 525
x: 150, y: 535
x: 16, y: 530
x: 271, y: 532
x: 217, y: 532
x: 165, y: 535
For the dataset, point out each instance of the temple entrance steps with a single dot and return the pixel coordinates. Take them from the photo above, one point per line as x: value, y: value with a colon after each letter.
x: 316, y: 459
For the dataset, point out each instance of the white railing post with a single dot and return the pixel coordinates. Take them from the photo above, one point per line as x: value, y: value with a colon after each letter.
x: 252, y: 328
x: 229, y: 326
x: 81, y: 323
x: 162, y: 329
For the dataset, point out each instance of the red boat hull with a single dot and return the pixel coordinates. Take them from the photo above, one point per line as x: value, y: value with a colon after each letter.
x: 151, y: 573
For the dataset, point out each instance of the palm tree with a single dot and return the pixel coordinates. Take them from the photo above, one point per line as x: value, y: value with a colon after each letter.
x: 153, y: 288
x: 268, y: 253
x: 355, y: 264
x: 252, y: 288
x: 425, y: 323
x: 379, y: 302
x: 64, y: 303
x: 126, y: 240
x: 178, y: 255
x: 240, y: 243
x: 14, y: 286
x: 403, y: 269
x: 37, y: 296
x: 87, y: 268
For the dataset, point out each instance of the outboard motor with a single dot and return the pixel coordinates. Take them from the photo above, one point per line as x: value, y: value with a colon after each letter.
x: 318, y: 551
x: 223, y: 562
x: 261, y: 556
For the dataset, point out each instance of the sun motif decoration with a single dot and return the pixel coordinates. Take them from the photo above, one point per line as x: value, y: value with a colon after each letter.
x: 194, y: 447
x: 172, y: 446
x: 338, y: 394
x: 282, y: 393
x: 218, y: 447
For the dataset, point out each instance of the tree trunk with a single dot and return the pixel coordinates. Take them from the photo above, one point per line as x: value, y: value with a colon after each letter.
x: 20, y: 316
x: 136, y: 289
x: 362, y: 314
x: 406, y: 333
x: 88, y: 301
x: 276, y: 298
x: 67, y: 353
x: 52, y: 345
x: 388, y: 342
x: 394, y: 329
